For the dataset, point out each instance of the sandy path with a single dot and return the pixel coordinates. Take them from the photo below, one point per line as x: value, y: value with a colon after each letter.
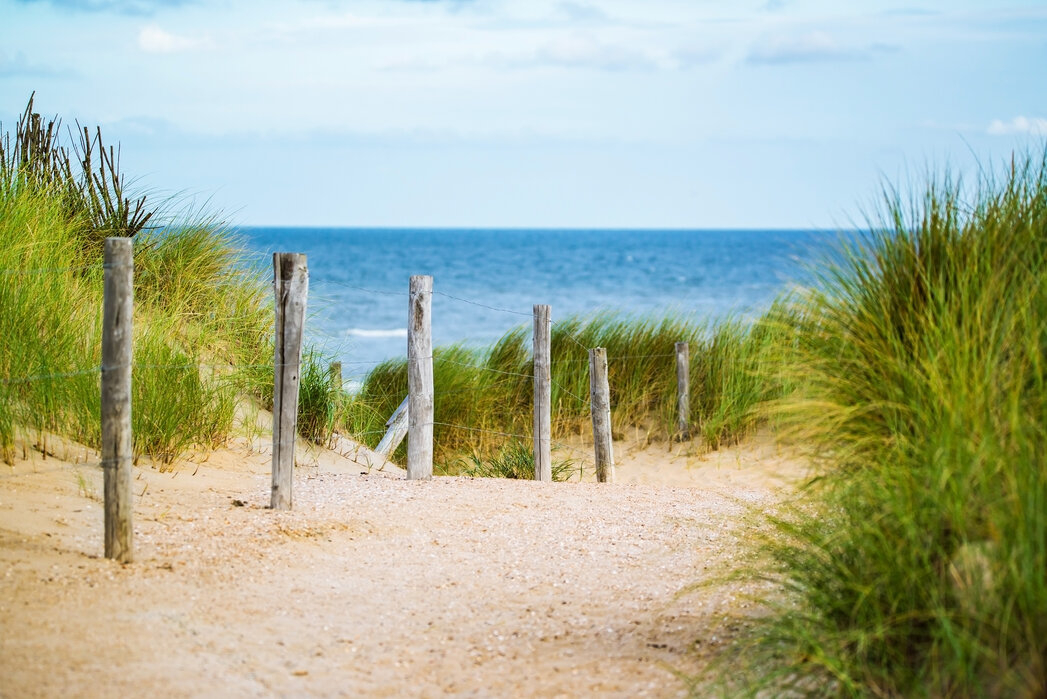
x: 373, y: 585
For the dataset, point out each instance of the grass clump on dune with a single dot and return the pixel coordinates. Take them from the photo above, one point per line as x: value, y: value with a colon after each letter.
x: 483, y: 397
x: 917, y: 562
x: 199, y: 317
x: 514, y: 460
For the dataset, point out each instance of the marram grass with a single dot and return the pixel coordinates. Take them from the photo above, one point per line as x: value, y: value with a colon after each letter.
x: 483, y: 397
x: 917, y: 564
x: 914, y: 368
x: 199, y: 317
x: 514, y: 460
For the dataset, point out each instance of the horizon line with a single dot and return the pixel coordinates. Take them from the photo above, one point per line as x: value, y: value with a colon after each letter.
x: 552, y: 229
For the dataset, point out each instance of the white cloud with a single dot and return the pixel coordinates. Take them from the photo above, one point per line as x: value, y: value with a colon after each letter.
x: 697, y: 55
x: 153, y: 39
x: 1019, y: 125
x: 129, y: 7
x: 584, y: 52
x: 569, y: 53
x: 581, y: 12
x: 812, y: 46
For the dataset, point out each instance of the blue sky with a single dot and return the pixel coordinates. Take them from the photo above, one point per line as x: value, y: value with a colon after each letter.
x: 573, y: 113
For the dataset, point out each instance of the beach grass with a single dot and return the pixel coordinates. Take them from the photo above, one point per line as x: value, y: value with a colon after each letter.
x: 912, y: 368
x: 201, y: 314
x: 514, y: 460
x: 320, y: 402
x: 204, y: 331
x: 483, y: 397
x: 915, y: 564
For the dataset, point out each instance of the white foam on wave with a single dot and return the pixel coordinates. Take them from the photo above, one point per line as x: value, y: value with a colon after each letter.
x: 374, y: 332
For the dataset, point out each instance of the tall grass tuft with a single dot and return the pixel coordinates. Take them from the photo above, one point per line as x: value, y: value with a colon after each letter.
x: 483, y: 397
x: 319, y: 400
x: 514, y: 460
x: 82, y: 179
x: 202, y: 318
x: 917, y: 562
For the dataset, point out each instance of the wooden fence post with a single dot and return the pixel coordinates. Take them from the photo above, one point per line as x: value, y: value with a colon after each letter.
x: 683, y: 390
x: 117, y: 442
x: 543, y: 469
x: 600, y: 393
x: 291, y: 287
x: 420, y: 379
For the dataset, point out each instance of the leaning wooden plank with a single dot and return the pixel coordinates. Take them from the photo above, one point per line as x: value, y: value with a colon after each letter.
x: 396, y: 430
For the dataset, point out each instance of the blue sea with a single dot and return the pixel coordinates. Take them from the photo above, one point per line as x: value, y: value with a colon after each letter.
x: 485, y: 282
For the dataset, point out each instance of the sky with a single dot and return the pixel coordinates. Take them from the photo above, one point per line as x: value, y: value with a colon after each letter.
x: 535, y: 113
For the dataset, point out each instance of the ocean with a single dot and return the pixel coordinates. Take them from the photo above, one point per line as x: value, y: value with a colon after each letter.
x: 486, y: 281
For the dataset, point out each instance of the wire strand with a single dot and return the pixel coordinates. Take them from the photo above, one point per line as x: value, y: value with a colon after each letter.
x: 482, y: 305
x: 347, y: 285
x: 483, y: 368
x: 578, y: 398
x: 44, y: 377
x: 53, y: 270
x: 573, y: 339
x: 481, y: 429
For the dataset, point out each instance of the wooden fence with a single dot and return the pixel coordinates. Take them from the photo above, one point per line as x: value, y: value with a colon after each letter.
x: 414, y: 418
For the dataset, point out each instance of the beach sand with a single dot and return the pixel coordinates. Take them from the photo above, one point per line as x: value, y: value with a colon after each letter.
x: 374, y: 585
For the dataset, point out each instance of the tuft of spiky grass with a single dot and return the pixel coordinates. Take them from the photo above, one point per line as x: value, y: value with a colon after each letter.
x: 478, y: 401
x: 46, y: 315
x: 201, y: 314
x: 319, y: 400
x: 483, y: 397
x: 915, y: 565
x: 82, y: 179
x: 515, y: 460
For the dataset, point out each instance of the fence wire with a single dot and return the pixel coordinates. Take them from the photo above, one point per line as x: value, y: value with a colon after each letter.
x: 45, y: 377
x: 479, y: 429
x: 483, y: 368
x: 559, y: 328
x: 482, y: 305
x: 347, y: 285
x: 55, y: 270
x: 583, y: 401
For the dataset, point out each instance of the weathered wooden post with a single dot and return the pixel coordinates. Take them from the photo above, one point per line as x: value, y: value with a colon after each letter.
x: 600, y: 394
x: 420, y: 380
x: 395, y: 430
x: 291, y: 287
x: 543, y: 469
x: 117, y: 443
x: 683, y: 390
